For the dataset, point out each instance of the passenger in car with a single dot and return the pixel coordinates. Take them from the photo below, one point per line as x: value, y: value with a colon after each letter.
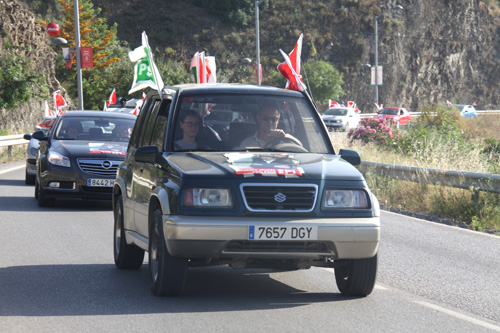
x: 122, y: 132
x: 190, y: 124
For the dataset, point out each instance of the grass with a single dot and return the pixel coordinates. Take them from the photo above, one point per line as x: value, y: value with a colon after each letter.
x: 478, y: 211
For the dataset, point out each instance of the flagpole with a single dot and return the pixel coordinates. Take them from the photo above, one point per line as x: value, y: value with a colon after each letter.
x: 78, y: 56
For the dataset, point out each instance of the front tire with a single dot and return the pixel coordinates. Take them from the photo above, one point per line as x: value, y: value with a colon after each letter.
x: 29, y: 179
x: 127, y: 256
x: 168, y: 274
x: 43, y: 201
x: 356, y: 277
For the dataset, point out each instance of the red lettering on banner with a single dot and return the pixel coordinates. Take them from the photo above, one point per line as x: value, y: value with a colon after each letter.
x: 265, y: 171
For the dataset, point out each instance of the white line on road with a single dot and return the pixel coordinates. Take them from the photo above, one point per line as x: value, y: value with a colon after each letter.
x: 460, y: 316
x: 12, y: 169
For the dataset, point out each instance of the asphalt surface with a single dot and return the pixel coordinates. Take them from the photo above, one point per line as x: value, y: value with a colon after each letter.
x: 57, y: 275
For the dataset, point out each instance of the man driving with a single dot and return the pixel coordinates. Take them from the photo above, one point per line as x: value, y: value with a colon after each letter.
x: 267, y: 119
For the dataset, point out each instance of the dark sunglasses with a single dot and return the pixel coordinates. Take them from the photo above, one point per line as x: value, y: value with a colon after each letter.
x: 267, y: 118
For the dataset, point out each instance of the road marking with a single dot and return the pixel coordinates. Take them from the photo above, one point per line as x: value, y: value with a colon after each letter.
x: 460, y: 316
x: 443, y: 225
x: 12, y: 169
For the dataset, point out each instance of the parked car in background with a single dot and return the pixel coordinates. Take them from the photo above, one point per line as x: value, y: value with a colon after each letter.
x: 31, y: 152
x: 467, y: 111
x: 395, y: 116
x: 79, y: 156
x: 341, y: 118
x: 273, y: 194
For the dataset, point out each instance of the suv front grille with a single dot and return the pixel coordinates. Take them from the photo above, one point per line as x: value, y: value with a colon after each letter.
x: 104, y: 168
x: 279, y: 197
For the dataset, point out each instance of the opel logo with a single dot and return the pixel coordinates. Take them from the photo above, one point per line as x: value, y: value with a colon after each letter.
x: 106, y: 164
x: 280, y: 197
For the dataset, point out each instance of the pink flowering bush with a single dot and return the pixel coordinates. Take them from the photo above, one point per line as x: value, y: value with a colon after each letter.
x: 376, y: 130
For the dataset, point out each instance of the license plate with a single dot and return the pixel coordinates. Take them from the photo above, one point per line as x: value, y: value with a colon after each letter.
x: 96, y: 182
x: 282, y: 232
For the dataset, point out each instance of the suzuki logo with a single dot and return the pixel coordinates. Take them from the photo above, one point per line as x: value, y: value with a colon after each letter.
x: 280, y: 197
x: 106, y: 164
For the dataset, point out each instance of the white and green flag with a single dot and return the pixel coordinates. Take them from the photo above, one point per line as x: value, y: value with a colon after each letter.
x: 145, y: 71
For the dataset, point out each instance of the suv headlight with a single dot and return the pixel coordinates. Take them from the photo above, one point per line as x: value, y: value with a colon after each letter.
x: 207, y: 197
x: 344, y: 199
x: 58, y: 159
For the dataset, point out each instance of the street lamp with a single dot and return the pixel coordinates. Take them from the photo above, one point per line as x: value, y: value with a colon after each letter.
x: 257, y: 42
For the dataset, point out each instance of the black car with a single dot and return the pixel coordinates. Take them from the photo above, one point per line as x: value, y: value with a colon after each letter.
x: 80, y: 155
x: 272, y: 193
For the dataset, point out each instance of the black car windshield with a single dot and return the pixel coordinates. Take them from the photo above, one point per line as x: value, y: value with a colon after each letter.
x: 94, y: 129
x: 250, y: 122
x: 336, y: 112
x: 389, y: 111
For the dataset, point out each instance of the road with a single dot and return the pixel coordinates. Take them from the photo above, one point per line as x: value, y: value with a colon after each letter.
x: 57, y: 275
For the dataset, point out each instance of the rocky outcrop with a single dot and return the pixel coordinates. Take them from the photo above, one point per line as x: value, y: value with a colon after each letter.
x: 436, y: 51
x: 20, y: 27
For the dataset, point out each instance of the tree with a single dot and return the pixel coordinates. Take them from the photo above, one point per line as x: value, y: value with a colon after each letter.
x: 324, y: 80
x: 19, y: 79
x: 94, y: 32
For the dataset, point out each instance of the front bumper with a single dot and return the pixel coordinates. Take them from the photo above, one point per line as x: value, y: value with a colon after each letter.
x: 72, y: 184
x: 227, y: 237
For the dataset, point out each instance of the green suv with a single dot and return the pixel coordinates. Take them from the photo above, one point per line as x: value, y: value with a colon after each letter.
x: 271, y: 192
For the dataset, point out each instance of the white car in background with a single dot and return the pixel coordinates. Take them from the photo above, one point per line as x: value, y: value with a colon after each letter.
x: 341, y: 118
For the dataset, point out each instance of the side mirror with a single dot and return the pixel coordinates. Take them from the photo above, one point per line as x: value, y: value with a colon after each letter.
x: 351, y: 156
x: 40, y: 136
x: 27, y: 136
x: 146, y: 154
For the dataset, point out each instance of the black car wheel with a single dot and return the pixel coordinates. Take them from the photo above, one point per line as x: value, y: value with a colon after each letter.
x: 356, y: 277
x: 29, y: 179
x: 168, y: 274
x: 43, y: 201
x: 127, y: 256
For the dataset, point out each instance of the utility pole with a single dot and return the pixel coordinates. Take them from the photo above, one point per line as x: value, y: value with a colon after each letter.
x: 78, y: 56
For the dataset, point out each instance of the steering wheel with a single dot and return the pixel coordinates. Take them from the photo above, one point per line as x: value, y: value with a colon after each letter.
x: 297, y: 145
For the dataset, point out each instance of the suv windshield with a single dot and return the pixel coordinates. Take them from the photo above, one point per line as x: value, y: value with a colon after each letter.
x: 252, y: 122
x: 336, y: 112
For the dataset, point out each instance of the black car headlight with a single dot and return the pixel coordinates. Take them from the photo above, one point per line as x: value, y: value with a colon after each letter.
x: 344, y: 199
x: 199, y: 197
x: 59, y: 160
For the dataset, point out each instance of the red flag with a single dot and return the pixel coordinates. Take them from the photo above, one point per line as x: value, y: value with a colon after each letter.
x: 332, y: 104
x: 449, y: 103
x: 46, y: 124
x: 474, y: 103
x: 351, y: 104
x: 59, y: 102
x: 290, y: 69
x: 47, y: 110
x: 112, y: 98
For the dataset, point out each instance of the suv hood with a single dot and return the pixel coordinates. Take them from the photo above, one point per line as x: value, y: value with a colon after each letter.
x: 239, y: 165
x: 85, y: 149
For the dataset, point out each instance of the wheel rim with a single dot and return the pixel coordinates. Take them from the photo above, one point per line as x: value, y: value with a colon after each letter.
x: 153, y: 253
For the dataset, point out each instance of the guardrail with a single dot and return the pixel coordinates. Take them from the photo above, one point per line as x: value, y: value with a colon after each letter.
x: 416, y: 114
x: 10, y: 141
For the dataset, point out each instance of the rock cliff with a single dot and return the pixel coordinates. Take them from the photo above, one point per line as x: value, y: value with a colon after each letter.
x: 20, y: 27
